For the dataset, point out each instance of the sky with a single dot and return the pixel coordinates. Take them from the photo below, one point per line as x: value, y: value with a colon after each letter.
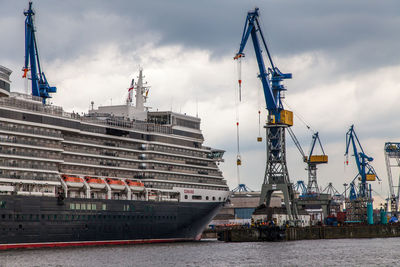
x: 344, y: 57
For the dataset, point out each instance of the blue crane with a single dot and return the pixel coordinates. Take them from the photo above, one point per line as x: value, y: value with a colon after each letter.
x: 276, y: 175
x: 271, y: 79
x: 40, y: 86
x: 365, y: 171
x: 301, y: 188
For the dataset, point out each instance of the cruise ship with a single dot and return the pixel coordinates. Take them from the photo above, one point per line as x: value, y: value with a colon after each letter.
x: 118, y: 174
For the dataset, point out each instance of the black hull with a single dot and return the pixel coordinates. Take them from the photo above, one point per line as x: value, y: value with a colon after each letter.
x: 30, y: 220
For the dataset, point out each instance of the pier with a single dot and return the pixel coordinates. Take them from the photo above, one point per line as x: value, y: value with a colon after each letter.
x: 257, y: 234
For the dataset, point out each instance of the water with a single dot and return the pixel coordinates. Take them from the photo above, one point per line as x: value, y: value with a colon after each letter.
x: 339, y: 252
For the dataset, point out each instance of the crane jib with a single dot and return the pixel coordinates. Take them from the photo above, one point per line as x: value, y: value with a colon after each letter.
x: 271, y: 78
x: 40, y: 86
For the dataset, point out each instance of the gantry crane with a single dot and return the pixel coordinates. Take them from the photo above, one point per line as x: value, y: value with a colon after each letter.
x: 312, y: 162
x: 40, y: 86
x: 392, y: 151
x: 366, y: 172
x: 276, y: 174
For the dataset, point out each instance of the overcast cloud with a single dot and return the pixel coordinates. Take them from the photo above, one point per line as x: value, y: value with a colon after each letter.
x: 344, y: 56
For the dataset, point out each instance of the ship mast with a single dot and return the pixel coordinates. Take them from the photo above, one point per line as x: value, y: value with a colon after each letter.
x: 140, y: 90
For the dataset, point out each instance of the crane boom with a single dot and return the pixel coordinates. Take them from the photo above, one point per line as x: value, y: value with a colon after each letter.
x: 40, y: 86
x: 297, y: 143
x: 272, y: 87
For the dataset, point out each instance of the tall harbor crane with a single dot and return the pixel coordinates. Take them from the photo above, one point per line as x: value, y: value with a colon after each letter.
x: 276, y: 176
x: 40, y: 86
x: 312, y: 162
x: 366, y: 172
x: 392, y: 151
x: 359, y: 207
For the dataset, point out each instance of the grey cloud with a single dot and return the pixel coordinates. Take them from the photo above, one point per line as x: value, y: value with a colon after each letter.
x: 366, y: 28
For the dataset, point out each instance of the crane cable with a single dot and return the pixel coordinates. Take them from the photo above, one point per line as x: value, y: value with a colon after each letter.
x: 239, y: 70
x: 238, y: 100
x: 259, y: 138
x: 299, y: 117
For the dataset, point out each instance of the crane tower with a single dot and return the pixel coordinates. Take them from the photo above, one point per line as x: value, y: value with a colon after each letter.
x: 276, y: 176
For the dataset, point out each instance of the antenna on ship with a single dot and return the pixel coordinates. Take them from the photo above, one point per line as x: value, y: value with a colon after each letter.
x: 142, y: 91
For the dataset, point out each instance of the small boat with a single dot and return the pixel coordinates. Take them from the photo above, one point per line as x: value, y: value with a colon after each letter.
x: 116, y: 184
x: 72, y: 181
x: 135, y: 185
x: 95, y: 183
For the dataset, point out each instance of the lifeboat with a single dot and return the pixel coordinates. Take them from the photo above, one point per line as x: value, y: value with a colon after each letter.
x: 72, y: 181
x: 135, y: 185
x: 116, y: 184
x: 95, y: 183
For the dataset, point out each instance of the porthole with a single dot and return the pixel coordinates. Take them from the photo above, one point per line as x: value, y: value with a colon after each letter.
x: 213, y: 198
x: 206, y: 197
x: 186, y: 197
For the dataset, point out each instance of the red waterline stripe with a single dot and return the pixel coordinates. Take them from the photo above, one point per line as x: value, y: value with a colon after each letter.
x: 90, y: 243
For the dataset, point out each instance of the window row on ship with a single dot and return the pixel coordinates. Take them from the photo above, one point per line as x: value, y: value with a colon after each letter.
x: 41, y: 166
x: 126, y: 172
x: 119, y: 143
x: 77, y: 125
x: 28, y: 164
x: 139, y: 164
x: 11, y: 151
x: 29, y: 175
x: 15, y: 128
x: 43, y: 143
x: 107, y: 152
x: 30, y: 141
x: 48, y: 122
x: 33, y: 130
x: 74, y: 169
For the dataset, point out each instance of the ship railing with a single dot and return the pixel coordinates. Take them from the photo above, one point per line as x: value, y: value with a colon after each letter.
x: 104, y: 163
x: 29, y: 177
x: 4, y: 76
x: 27, y: 154
x: 30, y: 131
x: 33, y: 103
x: 29, y: 166
x: 180, y: 152
x: 14, y: 140
x: 83, y: 140
x: 127, y: 124
x: 27, y: 102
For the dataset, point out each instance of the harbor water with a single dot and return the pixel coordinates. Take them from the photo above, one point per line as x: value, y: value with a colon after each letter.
x: 339, y: 252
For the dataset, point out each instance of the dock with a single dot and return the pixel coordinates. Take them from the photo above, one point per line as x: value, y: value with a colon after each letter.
x: 276, y: 233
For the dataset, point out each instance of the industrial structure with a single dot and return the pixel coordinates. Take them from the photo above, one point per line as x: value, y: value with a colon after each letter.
x: 360, y: 200
x: 392, y: 152
x: 312, y: 161
x: 276, y: 174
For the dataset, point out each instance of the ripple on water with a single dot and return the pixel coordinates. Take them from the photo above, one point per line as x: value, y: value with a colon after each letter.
x: 334, y: 252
